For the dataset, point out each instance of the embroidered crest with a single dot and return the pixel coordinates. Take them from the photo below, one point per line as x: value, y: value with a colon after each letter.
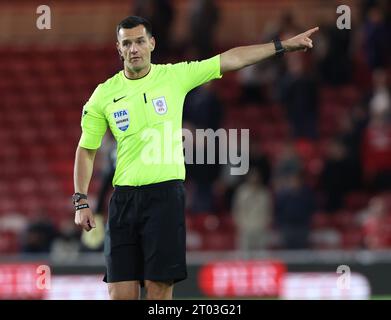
x: 122, y: 120
x: 160, y: 105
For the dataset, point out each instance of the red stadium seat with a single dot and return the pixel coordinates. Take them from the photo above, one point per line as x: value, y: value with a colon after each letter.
x: 218, y: 240
x: 352, y: 238
x: 344, y: 220
x: 356, y: 201
x: 9, y: 242
x: 321, y: 220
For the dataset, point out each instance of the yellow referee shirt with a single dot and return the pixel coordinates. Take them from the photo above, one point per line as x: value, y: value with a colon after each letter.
x: 145, y: 117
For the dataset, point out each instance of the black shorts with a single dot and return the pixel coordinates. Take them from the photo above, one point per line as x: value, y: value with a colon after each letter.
x: 145, y: 233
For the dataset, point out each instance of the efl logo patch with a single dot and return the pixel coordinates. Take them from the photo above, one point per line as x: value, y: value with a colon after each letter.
x: 121, y: 118
x: 160, y: 105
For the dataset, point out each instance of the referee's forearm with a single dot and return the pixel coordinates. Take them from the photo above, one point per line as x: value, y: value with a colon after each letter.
x: 84, y: 163
x: 240, y: 57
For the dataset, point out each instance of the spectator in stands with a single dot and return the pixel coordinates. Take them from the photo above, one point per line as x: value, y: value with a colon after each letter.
x: 335, y: 62
x: 288, y: 163
x: 377, y: 156
x: 227, y: 184
x: 254, y: 81
x: 202, y: 178
x: 298, y: 92
x: 376, y: 147
x: 337, y: 177
x: 380, y: 96
x: 376, y: 31
x: 260, y: 161
x: 351, y: 126
x: 204, y: 18
x: 257, y: 81
x: 202, y: 110
x: 294, y: 207
x: 160, y: 14
x: 377, y: 224
x: 252, y: 212
x: 66, y: 246
x: 38, y: 236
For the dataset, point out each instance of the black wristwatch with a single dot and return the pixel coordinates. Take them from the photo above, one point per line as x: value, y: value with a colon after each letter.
x: 280, y: 50
x: 76, y: 197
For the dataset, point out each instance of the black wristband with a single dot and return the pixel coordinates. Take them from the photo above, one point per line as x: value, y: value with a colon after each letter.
x: 280, y: 50
x: 82, y: 206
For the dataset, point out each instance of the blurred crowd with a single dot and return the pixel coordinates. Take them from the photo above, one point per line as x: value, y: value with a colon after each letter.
x: 279, y: 204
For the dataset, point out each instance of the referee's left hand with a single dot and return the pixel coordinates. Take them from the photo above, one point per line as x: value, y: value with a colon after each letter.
x: 301, y: 42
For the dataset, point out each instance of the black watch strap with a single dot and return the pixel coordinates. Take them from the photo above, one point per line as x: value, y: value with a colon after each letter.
x: 279, y: 48
x: 76, y: 197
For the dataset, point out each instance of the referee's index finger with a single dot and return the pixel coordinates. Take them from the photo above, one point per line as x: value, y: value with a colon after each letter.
x: 311, y: 31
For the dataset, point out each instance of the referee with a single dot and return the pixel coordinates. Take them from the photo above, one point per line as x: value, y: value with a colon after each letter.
x: 145, y: 238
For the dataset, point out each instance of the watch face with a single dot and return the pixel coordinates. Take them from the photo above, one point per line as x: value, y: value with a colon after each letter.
x: 77, y: 196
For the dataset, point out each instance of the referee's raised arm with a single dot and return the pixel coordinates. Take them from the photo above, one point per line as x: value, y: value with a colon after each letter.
x: 84, y: 163
x: 240, y: 57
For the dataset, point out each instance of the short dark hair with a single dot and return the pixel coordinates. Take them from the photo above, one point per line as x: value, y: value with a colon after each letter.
x: 134, y: 21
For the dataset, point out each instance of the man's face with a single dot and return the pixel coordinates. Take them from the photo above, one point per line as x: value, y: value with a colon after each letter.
x: 135, y: 46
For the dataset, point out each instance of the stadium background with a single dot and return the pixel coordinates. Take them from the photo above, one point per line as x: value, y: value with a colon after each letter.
x: 320, y: 137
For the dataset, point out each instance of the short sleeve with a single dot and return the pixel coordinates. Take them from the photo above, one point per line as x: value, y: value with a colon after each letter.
x: 195, y: 73
x: 93, y: 122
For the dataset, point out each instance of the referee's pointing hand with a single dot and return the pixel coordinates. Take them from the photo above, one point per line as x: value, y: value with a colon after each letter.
x: 300, y: 42
x: 85, y: 218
